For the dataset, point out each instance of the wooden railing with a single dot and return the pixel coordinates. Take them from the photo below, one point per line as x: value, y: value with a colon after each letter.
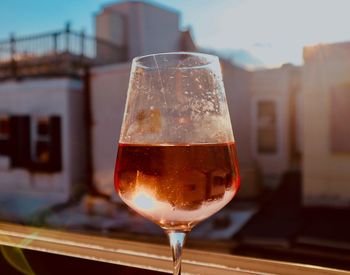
x: 59, y: 52
x: 146, y: 256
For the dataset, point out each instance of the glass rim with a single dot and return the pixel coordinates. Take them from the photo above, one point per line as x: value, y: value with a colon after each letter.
x: 210, y: 60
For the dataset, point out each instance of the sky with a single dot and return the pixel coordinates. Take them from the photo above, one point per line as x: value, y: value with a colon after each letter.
x: 272, y: 32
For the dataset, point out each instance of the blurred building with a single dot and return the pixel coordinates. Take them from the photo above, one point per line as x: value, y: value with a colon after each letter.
x: 237, y: 82
x: 45, y: 118
x: 326, y: 93
x: 42, y: 149
x: 147, y: 29
x: 276, y: 119
x: 142, y: 29
x: 62, y: 98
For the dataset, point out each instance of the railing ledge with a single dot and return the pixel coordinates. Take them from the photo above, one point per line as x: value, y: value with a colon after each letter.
x: 144, y: 255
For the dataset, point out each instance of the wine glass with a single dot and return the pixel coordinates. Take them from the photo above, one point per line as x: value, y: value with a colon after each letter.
x: 176, y: 162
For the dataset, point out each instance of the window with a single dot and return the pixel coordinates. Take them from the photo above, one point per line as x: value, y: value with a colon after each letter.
x: 4, y: 135
x: 41, y: 143
x: 46, y: 144
x: 267, y: 142
x: 33, y: 144
x: 20, y: 141
x: 340, y: 114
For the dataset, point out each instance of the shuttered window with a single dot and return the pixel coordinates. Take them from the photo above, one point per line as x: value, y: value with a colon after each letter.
x: 39, y: 151
x: 55, y: 144
x: 4, y: 135
x: 20, y: 141
x: 46, y: 144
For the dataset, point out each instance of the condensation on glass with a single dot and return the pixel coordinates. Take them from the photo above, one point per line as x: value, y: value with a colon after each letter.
x: 192, y: 101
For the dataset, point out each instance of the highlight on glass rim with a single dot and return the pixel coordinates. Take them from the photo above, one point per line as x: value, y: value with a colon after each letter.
x: 154, y: 137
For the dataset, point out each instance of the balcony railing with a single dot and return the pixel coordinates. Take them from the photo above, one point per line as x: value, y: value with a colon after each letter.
x: 55, y: 53
x: 146, y: 256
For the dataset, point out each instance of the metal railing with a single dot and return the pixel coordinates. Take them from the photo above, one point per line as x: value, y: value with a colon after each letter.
x: 60, y: 52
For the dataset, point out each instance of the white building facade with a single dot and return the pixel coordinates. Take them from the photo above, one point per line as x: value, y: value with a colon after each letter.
x: 326, y: 99
x: 42, y: 152
x: 276, y: 120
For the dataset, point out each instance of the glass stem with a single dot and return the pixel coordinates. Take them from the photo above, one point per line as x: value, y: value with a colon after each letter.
x: 177, y: 240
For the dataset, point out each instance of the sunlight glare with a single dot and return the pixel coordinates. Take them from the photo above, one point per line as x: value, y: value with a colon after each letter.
x: 145, y: 201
